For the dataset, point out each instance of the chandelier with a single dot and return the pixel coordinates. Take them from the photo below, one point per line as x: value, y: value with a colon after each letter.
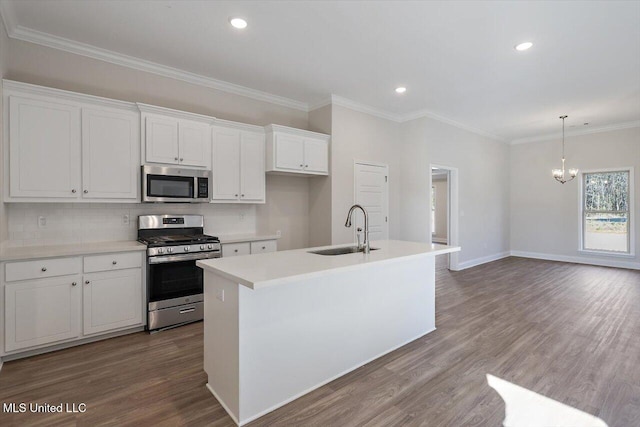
x: 559, y: 174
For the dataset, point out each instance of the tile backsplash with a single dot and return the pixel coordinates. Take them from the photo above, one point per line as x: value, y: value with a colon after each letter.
x: 33, y: 224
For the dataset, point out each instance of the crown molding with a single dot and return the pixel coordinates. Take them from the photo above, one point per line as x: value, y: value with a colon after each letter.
x: 322, y: 103
x: 364, y: 108
x: 599, y: 129
x: 19, y: 32
x: 430, y: 115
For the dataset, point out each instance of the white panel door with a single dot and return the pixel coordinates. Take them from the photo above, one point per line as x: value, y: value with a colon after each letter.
x: 316, y: 156
x: 226, y: 164
x: 112, y: 300
x: 252, y: 174
x: 44, y: 149
x: 161, y: 139
x: 41, y: 311
x: 195, y: 143
x: 289, y: 152
x: 372, y: 192
x: 110, y: 154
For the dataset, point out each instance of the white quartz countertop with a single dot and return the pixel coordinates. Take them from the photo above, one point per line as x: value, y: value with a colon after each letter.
x: 28, y: 252
x: 261, y: 270
x: 239, y: 238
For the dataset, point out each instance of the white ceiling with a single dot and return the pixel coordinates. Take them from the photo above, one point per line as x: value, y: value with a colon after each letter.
x: 455, y: 58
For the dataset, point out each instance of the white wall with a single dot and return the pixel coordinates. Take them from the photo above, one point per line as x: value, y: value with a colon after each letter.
x: 441, y: 188
x: 44, y: 66
x: 320, y: 187
x: 361, y: 136
x: 545, y: 215
x: 483, y: 166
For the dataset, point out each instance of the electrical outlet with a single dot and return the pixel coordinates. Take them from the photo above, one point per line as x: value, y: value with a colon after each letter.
x: 220, y: 294
x: 42, y: 221
x: 125, y: 219
x: 278, y: 233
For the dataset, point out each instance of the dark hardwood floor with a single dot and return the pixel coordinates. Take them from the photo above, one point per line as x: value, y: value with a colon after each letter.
x: 568, y: 332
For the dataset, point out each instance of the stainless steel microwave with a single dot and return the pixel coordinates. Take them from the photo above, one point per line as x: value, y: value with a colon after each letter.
x: 175, y: 185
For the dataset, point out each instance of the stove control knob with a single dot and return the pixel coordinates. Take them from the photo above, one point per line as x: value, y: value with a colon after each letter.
x: 160, y: 250
x: 202, y: 247
x: 209, y: 246
x: 169, y: 250
x: 186, y: 248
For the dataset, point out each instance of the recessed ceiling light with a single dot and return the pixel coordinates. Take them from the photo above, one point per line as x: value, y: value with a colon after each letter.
x: 238, y: 23
x: 523, y: 46
x: 401, y: 89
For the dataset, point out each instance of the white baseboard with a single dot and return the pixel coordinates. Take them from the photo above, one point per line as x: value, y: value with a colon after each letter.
x: 482, y: 260
x: 579, y: 260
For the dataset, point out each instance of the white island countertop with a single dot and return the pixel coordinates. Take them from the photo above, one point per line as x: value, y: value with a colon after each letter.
x: 274, y: 268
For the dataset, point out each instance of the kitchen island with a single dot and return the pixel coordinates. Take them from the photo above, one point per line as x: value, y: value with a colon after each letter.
x: 278, y: 325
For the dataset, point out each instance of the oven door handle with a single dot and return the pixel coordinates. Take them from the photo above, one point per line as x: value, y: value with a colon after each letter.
x: 183, y: 257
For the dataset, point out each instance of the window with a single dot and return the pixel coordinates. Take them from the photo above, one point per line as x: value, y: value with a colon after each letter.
x: 433, y: 210
x: 606, y: 207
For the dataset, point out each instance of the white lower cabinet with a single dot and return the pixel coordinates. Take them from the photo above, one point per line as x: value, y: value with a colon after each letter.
x: 249, y: 248
x: 112, y: 300
x: 42, y: 311
x: 49, y: 301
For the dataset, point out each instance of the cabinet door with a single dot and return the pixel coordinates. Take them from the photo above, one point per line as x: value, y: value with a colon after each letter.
x: 112, y: 300
x: 161, y: 139
x: 44, y: 149
x: 289, y: 152
x: 252, y: 175
x: 41, y: 311
x: 226, y: 164
x: 264, y: 246
x: 195, y: 143
x: 110, y: 154
x: 316, y: 156
x: 236, y: 249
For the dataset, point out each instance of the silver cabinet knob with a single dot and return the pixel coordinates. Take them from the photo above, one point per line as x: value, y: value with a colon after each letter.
x: 85, y: 191
x: 301, y: 166
x: 235, y: 195
x: 73, y: 191
x: 264, y: 247
x: 44, y: 269
x: 242, y: 195
x: 175, y: 158
x: 235, y: 250
x: 114, y: 262
x: 306, y: 166
x: 86, y: 282
x: 73, y: 283
x: 181, y: 159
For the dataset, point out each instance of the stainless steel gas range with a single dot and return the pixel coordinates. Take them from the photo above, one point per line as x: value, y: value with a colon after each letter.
x: 174, y: 283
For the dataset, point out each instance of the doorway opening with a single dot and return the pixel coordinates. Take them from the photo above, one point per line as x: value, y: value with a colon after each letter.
x: 443, y: 223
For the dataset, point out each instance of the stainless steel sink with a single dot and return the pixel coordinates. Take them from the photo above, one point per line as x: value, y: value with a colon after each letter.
x: 340, y: 251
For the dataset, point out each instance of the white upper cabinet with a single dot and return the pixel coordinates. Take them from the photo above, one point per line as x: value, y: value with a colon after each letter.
x: 175, y: 137
x: 296, y: 151
x: 110, y: 154
x: 238, y: 163
x: 68, y: 147
x: 44, y: 148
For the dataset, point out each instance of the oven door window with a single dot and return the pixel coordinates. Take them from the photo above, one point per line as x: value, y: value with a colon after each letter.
x: 180, y: 187
x: 174, y: 280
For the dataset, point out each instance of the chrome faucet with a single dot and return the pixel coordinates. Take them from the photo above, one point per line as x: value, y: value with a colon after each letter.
x: 366, y: 248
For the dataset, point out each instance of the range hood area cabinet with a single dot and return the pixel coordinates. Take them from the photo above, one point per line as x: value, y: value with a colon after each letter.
x: 238, y: 163
x: 66, y: 147
x: 296, y: 152
x: 173, y: 137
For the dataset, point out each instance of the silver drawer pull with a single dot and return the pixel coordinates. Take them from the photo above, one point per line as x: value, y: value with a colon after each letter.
x: 44, y: 269
x: 187, y: 310
x: 114, y: 262
x: 73, y: 283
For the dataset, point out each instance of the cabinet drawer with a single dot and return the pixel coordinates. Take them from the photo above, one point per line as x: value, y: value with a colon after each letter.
x: 42, y: 268
x: 235, y: 249
x: 264, y: 246
x: 116, y: 261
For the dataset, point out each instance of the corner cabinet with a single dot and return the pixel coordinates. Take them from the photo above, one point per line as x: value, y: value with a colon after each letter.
x: 175, y: 137
x: 68, y: 147
x: 238, y: 163
x: 296, y: 152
